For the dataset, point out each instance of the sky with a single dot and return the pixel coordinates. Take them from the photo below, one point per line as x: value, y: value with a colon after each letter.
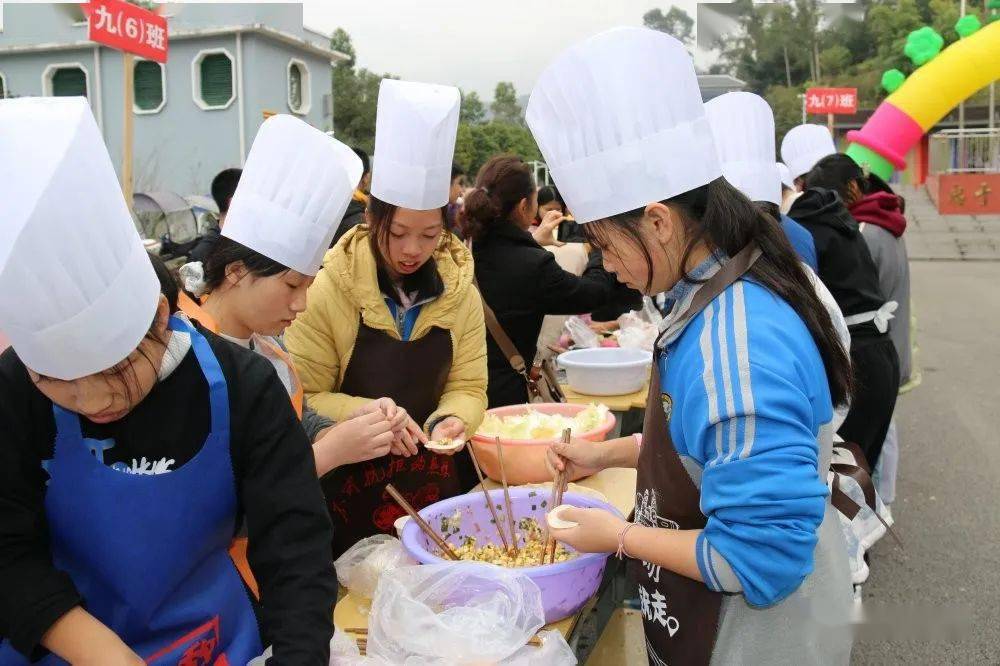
x: 471, y: 44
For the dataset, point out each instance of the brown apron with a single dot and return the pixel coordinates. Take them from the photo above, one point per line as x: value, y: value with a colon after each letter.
x: 413, y: 373
x: 680, y: 614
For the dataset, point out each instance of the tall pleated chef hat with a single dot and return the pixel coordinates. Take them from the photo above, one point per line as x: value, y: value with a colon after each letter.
x: 743, y: 126
x: 620, y: 122
x: 415, y: 129
x: 77, y: 290
x: 291, y: 198
x: 804, y: 146
x: 786, y: 176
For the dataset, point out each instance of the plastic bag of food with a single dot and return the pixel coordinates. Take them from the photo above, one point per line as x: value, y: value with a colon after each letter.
x: 455, y: 613
x: 583, y: 336
x: 360, y: 568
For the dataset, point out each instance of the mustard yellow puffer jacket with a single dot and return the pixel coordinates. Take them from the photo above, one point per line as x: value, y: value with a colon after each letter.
x: 321, y: 340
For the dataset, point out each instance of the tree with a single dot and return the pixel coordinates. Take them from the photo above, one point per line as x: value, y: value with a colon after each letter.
x: 473, y: 110
x: 355, y: 96
x: 477, y: 143
x: 341, y: 41
x: 675, y: 22
x: 505, y: 107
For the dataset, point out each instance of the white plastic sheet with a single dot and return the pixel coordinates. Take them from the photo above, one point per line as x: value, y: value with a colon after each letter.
x: 459, y: 613
x: 361, y: 566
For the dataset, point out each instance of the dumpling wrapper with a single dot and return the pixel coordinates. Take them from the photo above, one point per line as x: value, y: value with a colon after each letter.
x: 445, y: 445
x: 556, y: 522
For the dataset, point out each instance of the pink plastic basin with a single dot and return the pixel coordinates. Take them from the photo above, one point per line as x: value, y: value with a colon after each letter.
x: 524, y: 459
x: 565, y: 586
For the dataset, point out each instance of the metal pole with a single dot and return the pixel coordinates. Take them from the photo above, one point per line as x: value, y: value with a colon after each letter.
x: 127, y: 185
x: 803, y: 98
x: 961, y: 114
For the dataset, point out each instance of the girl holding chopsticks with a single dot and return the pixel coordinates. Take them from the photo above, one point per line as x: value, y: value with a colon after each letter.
x: 733, y: 534
x: 394, y: 313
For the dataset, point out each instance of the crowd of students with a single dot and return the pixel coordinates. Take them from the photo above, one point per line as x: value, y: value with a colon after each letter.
x: 181, y: 464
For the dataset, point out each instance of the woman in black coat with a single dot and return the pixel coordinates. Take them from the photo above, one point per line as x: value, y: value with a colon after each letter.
x: 519, y: 279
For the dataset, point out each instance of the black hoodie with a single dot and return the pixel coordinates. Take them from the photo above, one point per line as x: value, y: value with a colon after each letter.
x: 353, y: 216
x: 845, y: 264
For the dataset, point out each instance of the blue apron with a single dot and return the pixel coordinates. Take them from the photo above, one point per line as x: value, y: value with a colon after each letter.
x: 148, y: 554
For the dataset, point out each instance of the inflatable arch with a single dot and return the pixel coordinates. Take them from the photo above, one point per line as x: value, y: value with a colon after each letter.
x: 924, y: 99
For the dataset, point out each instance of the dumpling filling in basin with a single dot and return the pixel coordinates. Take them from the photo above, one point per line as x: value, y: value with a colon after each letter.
x: 566, y: 585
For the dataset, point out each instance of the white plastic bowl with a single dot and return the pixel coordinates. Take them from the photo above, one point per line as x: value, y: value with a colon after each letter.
x: 607, y: 370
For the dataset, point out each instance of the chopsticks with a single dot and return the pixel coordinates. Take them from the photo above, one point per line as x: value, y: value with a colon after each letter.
x: 534, y: 641
x: 434, y: 536
x: 486, y: 494
x: 506, y: 497
x: 555, y: 499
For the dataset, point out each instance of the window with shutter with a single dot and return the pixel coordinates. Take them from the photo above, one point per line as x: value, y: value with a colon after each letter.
x: 216, y: 79
x: 299, y: 99
x: 148, y: 85
x: 69, y: 82
x: 295, y: 87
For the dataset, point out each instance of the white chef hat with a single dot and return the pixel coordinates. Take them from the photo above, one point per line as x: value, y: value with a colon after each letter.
x: 804, y: 146
x: 743, y: 126
x: 77, y: 289
x: 415, y: 129
x: 786, y: 176
x: 292, y: 194
x: 620, y: 122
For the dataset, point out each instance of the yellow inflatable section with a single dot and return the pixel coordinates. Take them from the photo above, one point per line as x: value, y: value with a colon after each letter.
x: 953, y: 76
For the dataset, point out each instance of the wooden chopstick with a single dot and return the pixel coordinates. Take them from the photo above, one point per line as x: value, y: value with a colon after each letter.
x: 486, y: 494
x: 506, y: 497
x: 555, y: 499
x: 435, y: 537
x: 534, y: 641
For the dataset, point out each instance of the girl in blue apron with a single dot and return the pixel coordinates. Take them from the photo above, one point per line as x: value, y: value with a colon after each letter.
x: 133, y: 442
x: 734, y: 545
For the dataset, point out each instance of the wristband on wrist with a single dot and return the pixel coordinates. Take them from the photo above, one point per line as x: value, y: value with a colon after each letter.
x: 621, y: 541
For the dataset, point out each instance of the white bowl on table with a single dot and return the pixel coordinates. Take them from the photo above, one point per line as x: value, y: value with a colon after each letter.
x: 606, y: 370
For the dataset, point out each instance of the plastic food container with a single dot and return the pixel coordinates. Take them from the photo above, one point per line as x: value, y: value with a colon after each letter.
x: 565, y: 586
x: 524, y: 459
x: 606, y: 371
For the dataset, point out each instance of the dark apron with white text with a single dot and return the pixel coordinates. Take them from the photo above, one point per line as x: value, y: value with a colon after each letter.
x: 413, y: 373
x: 680, y: 614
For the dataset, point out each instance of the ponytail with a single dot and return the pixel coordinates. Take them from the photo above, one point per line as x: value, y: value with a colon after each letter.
x: 502, y: 183
x: 719, y: 216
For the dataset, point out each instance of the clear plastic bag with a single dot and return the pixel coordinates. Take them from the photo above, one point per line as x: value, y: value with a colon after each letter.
x: 635, y: 332
x: 456, y: 613
x: 582, y: 335
x: 360, y: 568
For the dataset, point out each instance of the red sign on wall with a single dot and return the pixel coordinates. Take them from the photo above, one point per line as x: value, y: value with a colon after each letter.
x: 125, y: 27
x: 832, y: 100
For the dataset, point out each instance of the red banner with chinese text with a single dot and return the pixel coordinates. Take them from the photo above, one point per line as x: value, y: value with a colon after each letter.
x: 126, y: 27
x: 832, y: 100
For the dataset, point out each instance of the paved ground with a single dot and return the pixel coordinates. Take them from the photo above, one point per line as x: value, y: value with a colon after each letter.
x: 948, y: 505
x: 955, y: 237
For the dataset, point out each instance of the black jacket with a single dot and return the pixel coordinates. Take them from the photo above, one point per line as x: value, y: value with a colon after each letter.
x: 522, y: 282
x: 845, y: 264
x: 353, y: 216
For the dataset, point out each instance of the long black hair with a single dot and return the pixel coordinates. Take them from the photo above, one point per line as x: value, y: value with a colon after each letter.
x: 721, y: 217
x: 226, y: 252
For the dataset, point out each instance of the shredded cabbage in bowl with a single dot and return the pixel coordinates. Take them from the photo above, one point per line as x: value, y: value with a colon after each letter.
x: 533, y: 424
